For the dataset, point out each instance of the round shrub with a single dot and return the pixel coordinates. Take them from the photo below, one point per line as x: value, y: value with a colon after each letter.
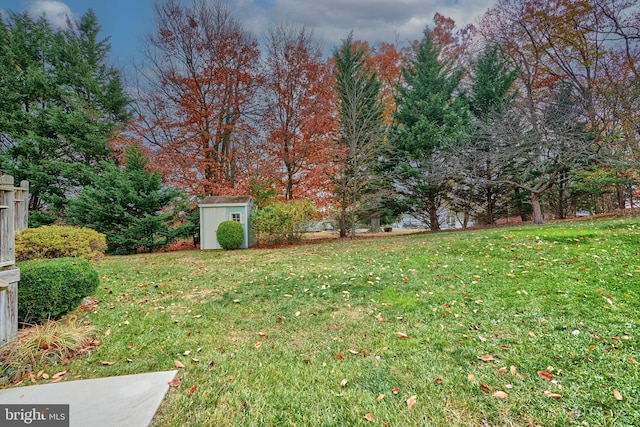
x: 52, y: 287
x: 57, y: 241
x: 230, y: 234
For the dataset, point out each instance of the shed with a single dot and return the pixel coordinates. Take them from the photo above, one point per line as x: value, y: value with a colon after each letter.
x: 217, y: 209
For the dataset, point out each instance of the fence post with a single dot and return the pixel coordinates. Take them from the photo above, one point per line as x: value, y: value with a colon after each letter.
x: 9, y: 274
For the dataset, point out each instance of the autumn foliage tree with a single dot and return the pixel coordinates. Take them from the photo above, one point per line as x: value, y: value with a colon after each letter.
x: 200, y: 78
x: 298, y: 119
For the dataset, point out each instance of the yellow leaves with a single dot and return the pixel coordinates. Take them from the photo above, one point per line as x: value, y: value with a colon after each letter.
x: 471, y: 378
x: 402, y: 335
x: 105, y: 363
x: 178, y: 364
x: 500, y: 395
x: 380, y: 398
x: 343, y: 383
x: 379, y: 318
x: 411, y: 401
x: 258, y: 344
x: 617, y: 394
x: 369, y: 417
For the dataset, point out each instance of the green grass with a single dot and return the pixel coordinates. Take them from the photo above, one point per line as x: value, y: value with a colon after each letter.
x: 267, y: 336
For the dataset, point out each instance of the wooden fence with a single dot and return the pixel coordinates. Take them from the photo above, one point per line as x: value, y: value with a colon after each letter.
x: 14, y: 213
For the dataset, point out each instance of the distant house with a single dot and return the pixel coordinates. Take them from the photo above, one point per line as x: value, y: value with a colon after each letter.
x: 217, y: 209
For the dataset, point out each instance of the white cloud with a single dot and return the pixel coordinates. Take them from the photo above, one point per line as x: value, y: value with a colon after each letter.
x: 56, y: 12
x: 375, y: 20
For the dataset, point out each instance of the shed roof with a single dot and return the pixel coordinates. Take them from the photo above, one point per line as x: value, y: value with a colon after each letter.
x: 224, y: 200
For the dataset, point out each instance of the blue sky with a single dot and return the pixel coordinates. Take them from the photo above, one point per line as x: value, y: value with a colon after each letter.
x: 126, y: 22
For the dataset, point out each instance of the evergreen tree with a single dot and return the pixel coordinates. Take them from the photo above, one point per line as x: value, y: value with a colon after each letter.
x: 129, y: 205
x: 361, y: 134
x: 61, y: 105
x: 491, y: 94
x: 430, y: 121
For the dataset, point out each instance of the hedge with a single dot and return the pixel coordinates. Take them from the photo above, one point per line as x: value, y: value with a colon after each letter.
x: 53, y: 287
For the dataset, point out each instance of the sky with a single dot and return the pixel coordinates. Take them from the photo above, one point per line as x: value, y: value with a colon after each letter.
x: 126, y: 22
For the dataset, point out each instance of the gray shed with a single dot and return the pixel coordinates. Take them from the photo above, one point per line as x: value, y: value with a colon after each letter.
x: 217, y: 209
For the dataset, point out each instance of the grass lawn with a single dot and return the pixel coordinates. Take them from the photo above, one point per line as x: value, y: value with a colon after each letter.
x: 527, y: 326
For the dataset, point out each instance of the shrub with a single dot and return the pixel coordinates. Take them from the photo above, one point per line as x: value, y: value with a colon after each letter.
x: 56, y: 241
x: 230, y: 234
x: 52, y: 287
x: 280, y: 222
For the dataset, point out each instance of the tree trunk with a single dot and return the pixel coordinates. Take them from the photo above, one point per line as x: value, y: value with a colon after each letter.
x: 434, y: 224
x: 343, y: 220
x: 375, y: 225
x: 537, y: 210
x: 489, y: 205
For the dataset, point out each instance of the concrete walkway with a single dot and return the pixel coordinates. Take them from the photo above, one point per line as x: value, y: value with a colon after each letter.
x: 123, y: 401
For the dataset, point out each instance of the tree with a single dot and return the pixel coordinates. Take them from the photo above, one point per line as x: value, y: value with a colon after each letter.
x: 591, y: 46
x: 539, y: 153
x: 201, y: 76
x: 360, y: 137
x: 297, y: 122
x: 430, y: 119
x: 62, y: 103
x: 490, y: 95
x: 129, y: 205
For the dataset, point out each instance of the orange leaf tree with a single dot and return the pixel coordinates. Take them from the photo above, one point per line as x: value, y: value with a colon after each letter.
x: 298, y: 121
x: 200, y: 78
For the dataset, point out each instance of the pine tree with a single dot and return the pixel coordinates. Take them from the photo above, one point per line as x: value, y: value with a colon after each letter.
x: 129, y: 205
x: 430, y: 121
x: 361, y: 134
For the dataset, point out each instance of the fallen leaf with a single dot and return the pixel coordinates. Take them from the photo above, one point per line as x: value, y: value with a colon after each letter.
x: 105, y: 363
x: 632, y: 360
x: 617, y: 394
x: 411, y: 401
x: 262, y: 334
x: 500, y: 395
x: 354, y: 352
x: 343, y: 383
x: 550, y: 395
x: 545, y: 375
x: 379, y: 398
x: 502, y: 370
x: 368, y: 417
x: 485, y: 388
x: 59, y: 375
x: 481, y: 338
x: 380, y: 318
x: 438, y: 380
x: 395, y: 390
x: 107, y: 332
x: 512, y: 370
x: 471, y: 378
x: 533, y: 334
x: 193, y: 389
x: 487, y: 358
x: 178, y: 364
x: 45, y: 376
x: 174, y: 383
x: 339, y: 356
x: 401, y: 335
x: 258, y: 344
